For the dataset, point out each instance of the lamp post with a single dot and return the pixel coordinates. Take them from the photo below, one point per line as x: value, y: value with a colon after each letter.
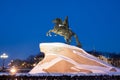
x: 3, y: 56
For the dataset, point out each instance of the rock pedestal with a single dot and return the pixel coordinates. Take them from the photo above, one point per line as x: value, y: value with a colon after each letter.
x: 63, y: 58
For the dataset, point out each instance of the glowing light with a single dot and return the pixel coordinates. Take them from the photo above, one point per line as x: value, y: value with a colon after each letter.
x: 4, y: 56
x: 34, y: 64
x: 13, y: 70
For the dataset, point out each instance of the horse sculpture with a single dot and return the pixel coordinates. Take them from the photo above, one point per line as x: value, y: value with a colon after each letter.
x: 62, y: 29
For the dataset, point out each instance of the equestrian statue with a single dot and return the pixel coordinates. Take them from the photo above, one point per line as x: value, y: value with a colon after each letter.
x: 62, y: 28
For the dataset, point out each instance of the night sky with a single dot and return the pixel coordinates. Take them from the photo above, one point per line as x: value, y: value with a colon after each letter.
x: 24, y: 23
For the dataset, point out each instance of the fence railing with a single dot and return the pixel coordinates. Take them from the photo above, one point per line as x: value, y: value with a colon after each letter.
x: 64, y: 77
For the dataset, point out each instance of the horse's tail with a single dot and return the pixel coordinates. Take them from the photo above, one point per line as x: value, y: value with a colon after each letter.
x: 77, y: 40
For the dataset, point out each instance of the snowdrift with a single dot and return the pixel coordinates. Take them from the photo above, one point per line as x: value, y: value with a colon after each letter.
x: 63, y: 58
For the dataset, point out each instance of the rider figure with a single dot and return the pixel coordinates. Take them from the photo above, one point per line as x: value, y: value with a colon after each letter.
x: 59, y: 23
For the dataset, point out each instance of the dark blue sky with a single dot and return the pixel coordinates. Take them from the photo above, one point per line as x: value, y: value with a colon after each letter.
x: 24, y: 23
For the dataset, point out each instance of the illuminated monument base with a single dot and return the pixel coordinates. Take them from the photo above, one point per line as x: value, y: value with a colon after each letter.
x: 63, y: 58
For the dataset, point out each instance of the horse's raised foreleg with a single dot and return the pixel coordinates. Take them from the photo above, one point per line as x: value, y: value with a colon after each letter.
x: 77, y: 40
x: 49, y: 33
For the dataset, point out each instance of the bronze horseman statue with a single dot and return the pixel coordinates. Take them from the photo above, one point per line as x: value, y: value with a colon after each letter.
x: 62, y: 28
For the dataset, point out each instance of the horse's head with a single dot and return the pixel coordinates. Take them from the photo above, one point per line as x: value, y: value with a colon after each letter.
x: 57, y: 21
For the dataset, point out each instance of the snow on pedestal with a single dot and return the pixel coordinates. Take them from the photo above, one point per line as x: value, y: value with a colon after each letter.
x: 63, y: 58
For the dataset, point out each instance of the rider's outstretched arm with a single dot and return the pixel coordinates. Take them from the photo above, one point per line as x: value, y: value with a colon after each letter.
x: 65, y: 23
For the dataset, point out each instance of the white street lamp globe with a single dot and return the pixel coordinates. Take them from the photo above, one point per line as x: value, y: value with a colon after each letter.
x: 4, y: 56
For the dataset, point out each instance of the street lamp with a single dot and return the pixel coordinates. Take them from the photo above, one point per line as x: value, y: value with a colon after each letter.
x: 3, y: 56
